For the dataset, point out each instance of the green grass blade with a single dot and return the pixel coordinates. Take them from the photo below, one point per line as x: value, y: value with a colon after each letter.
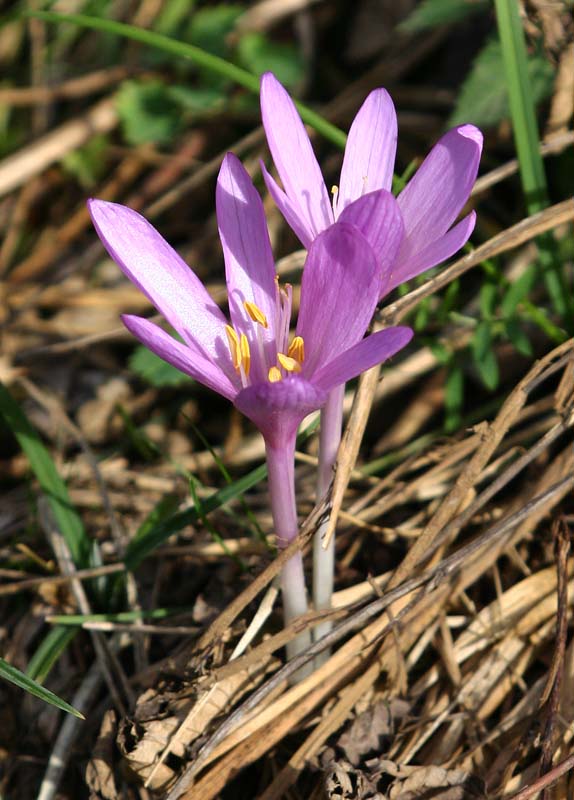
x: 194, y: 54
x: 143, y: 544
x: 48, y: 477
x: 525, y: 129
x: 10, y: 673
x: 74, y: 620
x: 151, y: 536
x: 48, y: 652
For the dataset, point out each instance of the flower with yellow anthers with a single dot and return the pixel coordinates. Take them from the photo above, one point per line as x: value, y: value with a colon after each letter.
x: 274, y: 379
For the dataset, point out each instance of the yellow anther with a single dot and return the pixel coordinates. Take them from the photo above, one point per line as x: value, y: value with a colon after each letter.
x: 334, y: 190
x: 297, y: 349
x: 274, y: 375
x: 288, y: 363
x: 234, y: 346
x: 255, y: 313
x: 245, y: 353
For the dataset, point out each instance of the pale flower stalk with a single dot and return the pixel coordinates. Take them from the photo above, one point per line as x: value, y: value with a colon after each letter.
x: 429, y: 206
x: 274, y: 378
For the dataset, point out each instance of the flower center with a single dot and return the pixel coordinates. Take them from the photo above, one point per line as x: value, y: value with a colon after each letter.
x: 288, y: 357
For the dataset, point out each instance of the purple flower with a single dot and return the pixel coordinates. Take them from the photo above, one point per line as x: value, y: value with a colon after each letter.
x: 429, y: 204
x: 273, y: 379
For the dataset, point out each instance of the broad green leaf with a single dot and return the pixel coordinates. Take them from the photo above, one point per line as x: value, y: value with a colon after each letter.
x: 155, y: 370
x: 196, y: 55
x: 442, y: 353
x: 422, y: 315
x: 518, y: 337
x: 258, y: 54
x: 488, y: 296
x: 88, y: 163
x: 449, y: 301
x: 484, y: 356
x: 488, y: 370
x: 484, y: 97
x: 198, y: 101
x: 148, y: 112
x: 210, y: 27
x: 518, y: 291
x: 431, y: 13
x: 453, y: 399
x: 482, y: 340
x: 67, y: 518
x: 173, y: 15
x: 10, y: 673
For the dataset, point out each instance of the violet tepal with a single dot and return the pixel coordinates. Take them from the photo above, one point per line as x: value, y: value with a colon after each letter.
x: 430, y: 202
x: 429, y: 206
x: 275, y: 378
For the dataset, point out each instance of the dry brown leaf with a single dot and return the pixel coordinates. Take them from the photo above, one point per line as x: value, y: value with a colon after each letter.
x: 368, y: 731
x: 436, y: 783
x: 100, y: 769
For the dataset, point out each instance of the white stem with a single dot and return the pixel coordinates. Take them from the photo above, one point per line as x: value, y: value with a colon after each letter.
x: 281, y: 477
x: 324, y: 558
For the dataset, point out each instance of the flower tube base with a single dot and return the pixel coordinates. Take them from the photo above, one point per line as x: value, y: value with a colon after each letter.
x: 324, y: 558
x: 281, y: 478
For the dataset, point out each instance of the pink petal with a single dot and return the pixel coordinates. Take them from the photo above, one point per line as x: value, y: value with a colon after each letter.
x: 293, y: 155
x: 435, y: 253
x: 293, y: 217
x: 366, y: 354
x: 378, y: 218
x: 434, y: 197
x: 371, y: 148
x: 154, y: 267
x: 339, y: 292
x: 278, y: 408
x: 187, y: 359
x: 249, y: 265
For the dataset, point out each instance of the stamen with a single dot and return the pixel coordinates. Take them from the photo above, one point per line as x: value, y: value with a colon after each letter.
x: 274, y: 375
x: 288, y: 363
x: 255, y: 313
x: 234, y: 346
x: 335, y: 193
x: 245, y: 353
x: 282, y: 337
x: 364, y: 191
x: 297, y: 349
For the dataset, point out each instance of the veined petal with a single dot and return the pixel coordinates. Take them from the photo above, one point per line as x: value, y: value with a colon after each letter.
x: 249, y: 265
x: 434, y: 197
x: 293, y: 155
x: 366, y: 354
x: 153, y: 266
x: 278, y: 408
x: 293, y: 217
x: 187, y: 359
x: 339, y: 293
x: 379, y: 219
x: 435, y: 253
x: 369, y: 158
